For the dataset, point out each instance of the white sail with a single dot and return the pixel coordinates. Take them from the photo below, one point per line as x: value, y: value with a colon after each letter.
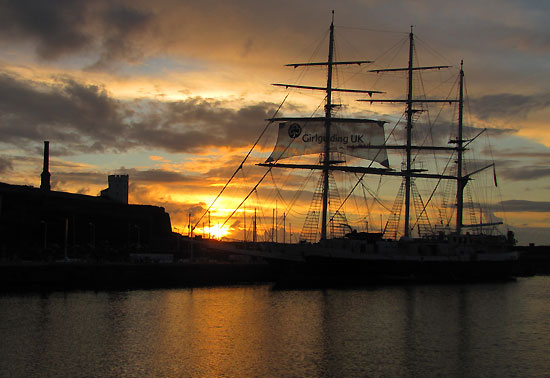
x: 350, y: 137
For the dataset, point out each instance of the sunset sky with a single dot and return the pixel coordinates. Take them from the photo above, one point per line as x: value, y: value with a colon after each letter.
x: 174, y: 94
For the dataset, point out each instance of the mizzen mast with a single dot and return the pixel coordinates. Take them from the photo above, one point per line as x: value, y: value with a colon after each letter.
x: 460, y: 183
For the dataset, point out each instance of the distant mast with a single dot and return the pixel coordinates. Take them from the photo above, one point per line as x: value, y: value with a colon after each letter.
x: 45, y: 176
x: 460, y: 182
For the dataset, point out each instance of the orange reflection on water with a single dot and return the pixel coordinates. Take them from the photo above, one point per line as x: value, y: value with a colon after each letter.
x: 231, y: 332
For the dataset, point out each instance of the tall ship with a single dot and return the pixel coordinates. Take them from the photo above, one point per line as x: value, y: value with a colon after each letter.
x: 409, y: 246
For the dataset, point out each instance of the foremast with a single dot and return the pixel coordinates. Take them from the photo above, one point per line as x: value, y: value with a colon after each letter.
x: 327, y: 164
x: 410, y: 112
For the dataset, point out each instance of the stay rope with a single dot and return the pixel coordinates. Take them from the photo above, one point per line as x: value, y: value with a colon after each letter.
x: 241, y: 165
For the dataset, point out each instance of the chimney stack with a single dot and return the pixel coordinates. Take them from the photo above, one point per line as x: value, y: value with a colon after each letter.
x: 45, y: 176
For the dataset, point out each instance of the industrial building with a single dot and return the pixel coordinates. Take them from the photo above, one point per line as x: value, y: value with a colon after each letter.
x: 41, y: 224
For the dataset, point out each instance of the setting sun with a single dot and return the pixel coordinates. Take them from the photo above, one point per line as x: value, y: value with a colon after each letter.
x: 216, y: 231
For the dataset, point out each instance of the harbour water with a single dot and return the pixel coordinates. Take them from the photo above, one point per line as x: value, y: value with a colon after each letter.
x: 461, y: 330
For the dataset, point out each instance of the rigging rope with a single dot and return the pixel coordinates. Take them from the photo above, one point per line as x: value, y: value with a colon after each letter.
x: 375, y: 197
x: 241, y: 165
x: 265, y: 174
x: 363, y: 175
x: 297, y: 193
x: 248, y: 195
x: 433, y: 192
x: 434, y: 154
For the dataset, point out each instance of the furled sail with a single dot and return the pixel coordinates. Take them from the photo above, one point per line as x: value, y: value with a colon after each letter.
x: 304, y: 136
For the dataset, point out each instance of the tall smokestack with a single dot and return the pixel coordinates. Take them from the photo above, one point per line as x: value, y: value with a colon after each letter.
x: 45, y: 176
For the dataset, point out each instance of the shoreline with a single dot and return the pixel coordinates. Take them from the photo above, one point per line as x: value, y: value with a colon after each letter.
x: 40, y: 276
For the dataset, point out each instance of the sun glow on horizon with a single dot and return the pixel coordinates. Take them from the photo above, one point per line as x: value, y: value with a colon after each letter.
x: 216, y: 231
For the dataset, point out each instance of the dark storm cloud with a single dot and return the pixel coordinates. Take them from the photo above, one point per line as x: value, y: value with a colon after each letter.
x: 57, y: 26
x: 65, y: 112
x: 526, y: 173
x: 64, y: 27
x: 122, y: 28
x: 85, y: 119
x: 195, y: 123
x: 5, y: 165
x: 526, y: 206
x: 508, y: 105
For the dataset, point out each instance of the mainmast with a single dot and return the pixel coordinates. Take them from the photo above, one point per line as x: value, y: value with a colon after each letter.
x: 326, y: 164
x: 409, y: 136
x: 328, y: 121
x: 409, y: 171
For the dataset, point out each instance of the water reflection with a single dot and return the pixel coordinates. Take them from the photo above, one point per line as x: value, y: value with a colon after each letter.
x: 410, y: 331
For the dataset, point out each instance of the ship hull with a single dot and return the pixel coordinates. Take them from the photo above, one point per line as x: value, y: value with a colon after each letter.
x: 356, y: 262
x: 328, y: 271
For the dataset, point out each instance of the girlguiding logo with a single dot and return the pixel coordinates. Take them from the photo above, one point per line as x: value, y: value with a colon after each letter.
x: 294, y: 130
